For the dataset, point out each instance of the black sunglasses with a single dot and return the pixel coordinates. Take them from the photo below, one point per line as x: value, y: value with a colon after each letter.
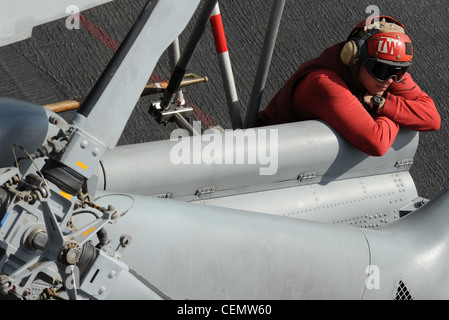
x: 382, y: 71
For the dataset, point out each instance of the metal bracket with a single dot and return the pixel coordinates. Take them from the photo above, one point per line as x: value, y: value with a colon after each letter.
x: 206, y: 192
x: 167, y: 195
x: 404, y: 165
x: 165, y: 116
x: 176, y: 113
x: 412, y: 206
x: 7, y: 174
x: 307, y: 177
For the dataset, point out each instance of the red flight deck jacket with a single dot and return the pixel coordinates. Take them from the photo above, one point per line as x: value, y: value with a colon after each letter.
x: 324, y: 88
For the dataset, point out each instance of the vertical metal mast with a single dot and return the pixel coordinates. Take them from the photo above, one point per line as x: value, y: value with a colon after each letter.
x: 226, y: 69
x: 264, y: 63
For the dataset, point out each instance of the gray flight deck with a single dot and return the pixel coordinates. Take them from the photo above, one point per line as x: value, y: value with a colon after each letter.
x: 59, y: 63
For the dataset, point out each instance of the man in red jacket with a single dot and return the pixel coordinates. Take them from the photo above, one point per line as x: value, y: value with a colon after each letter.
x: 360, y: 87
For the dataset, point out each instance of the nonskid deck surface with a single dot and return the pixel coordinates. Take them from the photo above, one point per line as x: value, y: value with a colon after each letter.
x: 58, y: 64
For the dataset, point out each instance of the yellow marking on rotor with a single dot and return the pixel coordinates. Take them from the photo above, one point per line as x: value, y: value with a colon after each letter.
x: 88, y: 231
x: 65, y: 195
x: 81, y: 165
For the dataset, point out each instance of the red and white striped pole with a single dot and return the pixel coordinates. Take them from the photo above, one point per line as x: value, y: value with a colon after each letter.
x: 226, y: 68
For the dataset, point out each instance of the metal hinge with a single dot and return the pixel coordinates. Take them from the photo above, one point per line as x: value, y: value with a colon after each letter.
x: 206, y: 192
x: 163, y: 195
x: 307, y: 177
x: 412, y: 206
x: 404, y: 164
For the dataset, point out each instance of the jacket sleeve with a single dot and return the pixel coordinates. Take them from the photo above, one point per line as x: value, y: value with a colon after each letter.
x: 410, y: 107
x: 325, y: 95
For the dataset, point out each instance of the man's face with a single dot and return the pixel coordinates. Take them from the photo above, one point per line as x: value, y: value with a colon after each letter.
x: 372, y: 85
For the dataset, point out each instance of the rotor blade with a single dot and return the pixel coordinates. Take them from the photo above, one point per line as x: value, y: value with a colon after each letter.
x: 20, y: 16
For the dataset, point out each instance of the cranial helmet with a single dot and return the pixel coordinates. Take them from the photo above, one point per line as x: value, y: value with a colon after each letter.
x: 381, y: 45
